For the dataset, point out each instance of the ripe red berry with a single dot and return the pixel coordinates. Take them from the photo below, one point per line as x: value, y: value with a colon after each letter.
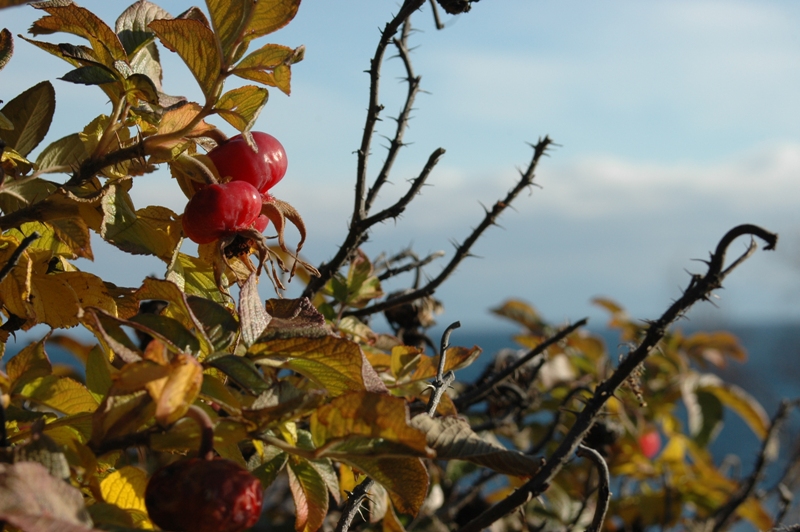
x: 196, y: 495
x: 219, y: 210
x: 234, y: 158
x: 261, y: 223
x: 650, y: 443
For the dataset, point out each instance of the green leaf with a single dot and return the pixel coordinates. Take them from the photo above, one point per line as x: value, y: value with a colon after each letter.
x: 195, y: 277
x: 738, y: 400
x: 99, y: 372
x: 240, y: 107
x: 711, y: 414
x: 66, y: 151
x: 453, y: 439
x: 268, y: 471
x: 90, y: 75
x: 66, y: 237
x: 219, y: 324
x: 150, y: 231
x: 31, y: 113
x: 310, y: 495
x: 270, y: 65
x: 168, y: 330
x: 243, y: 372
x: 71, y: 18
x: 269, y: 16
x: 195, y: 43
x: 6, y: 47
x: 138, y: 39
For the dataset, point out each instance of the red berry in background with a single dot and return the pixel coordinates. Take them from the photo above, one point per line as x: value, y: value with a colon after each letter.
x: 650, y: 443
x: 219, y: 210
x: 197, y: 495
x: 236, y: 159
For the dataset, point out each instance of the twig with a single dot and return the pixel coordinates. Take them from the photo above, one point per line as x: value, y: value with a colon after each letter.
x: 463, y: 251
x: 418, y: 263
x: 436, y: 19
x: 473, y: 396
x: 700, y: 288
x: 14, y: 258
x: 603, y: 490
x: 723, y: 517
x: 353, y: 504
x: 442, y: 380
x: 402, y: 120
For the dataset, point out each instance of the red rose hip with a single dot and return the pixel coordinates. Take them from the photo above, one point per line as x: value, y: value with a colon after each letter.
x: 650, y: 443
x: 219, y: 210
x: 234, y: 158
x: 198, y: 495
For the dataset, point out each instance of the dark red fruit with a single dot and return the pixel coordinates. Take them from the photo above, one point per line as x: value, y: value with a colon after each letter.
x: 236, y: 159
x: 219, y: 210
x: 196, y: 495
x: 261, y: 223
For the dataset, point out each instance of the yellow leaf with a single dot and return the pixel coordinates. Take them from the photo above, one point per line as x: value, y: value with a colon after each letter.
x: 738, y: 400
x: 226, y: 18
x: 196, y: 45
x: 271, y: 15
x: 63, y: 394
x: 180, y: 389
x: 336, y: 364
x: 30, y: 363
x: 180, y: 118
x: 240, y: 107
x: 310, y: 495
x: 406, y: 479
x: 125, y: 488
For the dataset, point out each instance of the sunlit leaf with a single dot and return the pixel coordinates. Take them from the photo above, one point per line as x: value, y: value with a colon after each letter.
x: 367, y: 415
x: 176, y: 394
x: 31, y: 113
x: 195, y: 43
x: 336, y: 364
x: 71, y: 18
x: 62, y: 394
x: 240, y: 107
x: 227, y: 17
x: 195, y: 277
x: 406, y: 479
x: 125, y: 488
x: 29, y: 364
x: 270, y: 15
x: 310, y: 495
x: 522, y: 313
x: 99, y: 373
x: 714, y: 348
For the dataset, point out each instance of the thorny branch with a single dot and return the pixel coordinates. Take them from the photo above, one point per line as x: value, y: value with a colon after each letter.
x: 603, y: 489
x: 699, y: 289
x: 473, y: 396
x: 353, y: 505
x: 463, y: 250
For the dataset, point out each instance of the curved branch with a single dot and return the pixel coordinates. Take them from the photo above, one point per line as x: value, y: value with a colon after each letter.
x: 462, y: 251
x: 603, y: 490
x: 700, y: 288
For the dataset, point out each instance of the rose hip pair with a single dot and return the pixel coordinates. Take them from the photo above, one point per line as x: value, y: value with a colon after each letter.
x: 219, y: 210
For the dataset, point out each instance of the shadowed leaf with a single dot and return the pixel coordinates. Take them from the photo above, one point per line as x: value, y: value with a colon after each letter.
x: 453, y: 439
x: 310, y: 495
x: 6, y: 47
x: 31, y: 113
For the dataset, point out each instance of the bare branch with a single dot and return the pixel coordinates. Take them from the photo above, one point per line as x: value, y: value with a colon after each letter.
x: 700, y: 288
x: 463, y: 250
x: 417, y: 264
x: 402, y: 120
x: 603, y: 490
x: 473, y: 396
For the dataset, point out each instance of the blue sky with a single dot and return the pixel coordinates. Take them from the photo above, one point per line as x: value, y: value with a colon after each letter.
x: 677, y: 120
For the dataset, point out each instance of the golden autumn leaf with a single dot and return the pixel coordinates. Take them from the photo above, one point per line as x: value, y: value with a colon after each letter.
x: 195, y: 43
